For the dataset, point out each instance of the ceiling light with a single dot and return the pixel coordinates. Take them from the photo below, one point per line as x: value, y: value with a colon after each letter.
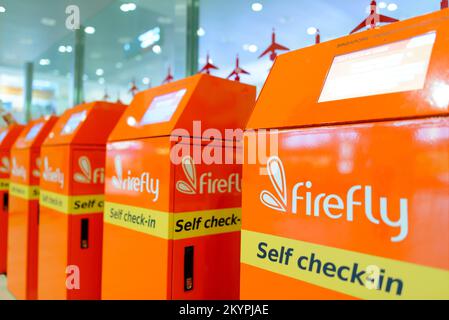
x: 157, y: 49
x: 252, y: 48
x: 126, y: 47
x: 257, y: 6
x: 312, y: 31
x: 89, y: 30
x: 382, y: 5
x: 99, y: 72
x: 126, y: 7
x: 49, y: 22
x: 101, y: 81
x: 2, y: 9
x: 150, y: 37
x: 201, y: 32
x: 146, y: 81
x: 64, y: 49
x: 44, y: 62
x: 392, y: 7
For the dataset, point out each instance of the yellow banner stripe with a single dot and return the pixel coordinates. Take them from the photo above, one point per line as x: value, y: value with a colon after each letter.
x: 152, y: 222
x: 23, y: 191
x: 72, y: 204
x: 4, y: 184
x: 341, y: 270
x: 207, y: 222
x: 168, y: 225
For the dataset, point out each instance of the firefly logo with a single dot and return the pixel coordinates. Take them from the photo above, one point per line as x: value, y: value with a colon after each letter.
x: 52, y: 175
x: 18, y: 171
x: 86, y: 175
x: 276, y: 173
x: 333, y: 206
x: 206, y: 183
x: 144, y: 183
x: 4, y: 165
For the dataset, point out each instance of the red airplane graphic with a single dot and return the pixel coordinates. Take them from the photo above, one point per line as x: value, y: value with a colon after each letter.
x: 317, y: 36
x: 373, y: 19
x: 208, y: 66
x: 169, y: 78
x: 237, y: 71
x: 134, y: 88
x: 106, y: 95
x: 274, y: 46
x: 444, y: 4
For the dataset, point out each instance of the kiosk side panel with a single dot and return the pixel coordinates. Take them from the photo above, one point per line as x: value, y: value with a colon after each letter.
x: 53, y: 222
x: 207, y: 222
x: 4, y: 204
x: 18, y: 224
x: 341, y: 203
x: 137, y: 253
x: 86, y: 219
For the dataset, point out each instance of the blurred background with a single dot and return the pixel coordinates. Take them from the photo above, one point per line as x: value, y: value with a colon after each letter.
x: 46, y: 67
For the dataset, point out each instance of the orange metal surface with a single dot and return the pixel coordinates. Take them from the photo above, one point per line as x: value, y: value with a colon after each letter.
x: 24, y: 209
x: 8, y: 137
x: 255, y: 281
x: 136, y: 151
x: 231, y: 116
x: 72, y: 187
x: 356, y: 181
x: 124, y: 261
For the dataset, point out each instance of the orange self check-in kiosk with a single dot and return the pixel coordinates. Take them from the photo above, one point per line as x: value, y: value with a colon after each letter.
x: 24, y: 208
x: 7, y: 138
x: 172, y: 216
x: 71, y: 202
x: 354, y: 205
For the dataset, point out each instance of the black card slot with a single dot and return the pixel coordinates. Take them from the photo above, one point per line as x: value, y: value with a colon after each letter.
x: 5, y: 201
x: 84, y: 233
x: 188, y: 268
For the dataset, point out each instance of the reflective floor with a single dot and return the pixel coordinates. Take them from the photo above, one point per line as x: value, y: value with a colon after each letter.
x: 4, y: 294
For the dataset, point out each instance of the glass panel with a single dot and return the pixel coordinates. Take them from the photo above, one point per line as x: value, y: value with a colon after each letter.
x: 138, y: 45
x: 137, y: 41
x: 124, y: 42
x: 11, y: 92
x: 245, y: 27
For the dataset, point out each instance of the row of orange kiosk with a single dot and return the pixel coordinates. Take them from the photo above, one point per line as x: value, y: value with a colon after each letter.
x: 340, y: 191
